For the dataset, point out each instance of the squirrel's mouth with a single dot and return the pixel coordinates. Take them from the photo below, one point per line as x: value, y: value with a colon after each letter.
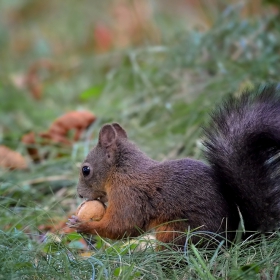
x: 103, y: 199
x: 101, y: 196
x: 97, y: 195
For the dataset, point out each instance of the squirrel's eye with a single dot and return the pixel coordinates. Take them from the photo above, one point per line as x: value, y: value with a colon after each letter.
x: 85, y: 170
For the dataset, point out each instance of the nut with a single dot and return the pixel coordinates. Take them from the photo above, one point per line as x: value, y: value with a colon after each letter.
x: 91, y: 210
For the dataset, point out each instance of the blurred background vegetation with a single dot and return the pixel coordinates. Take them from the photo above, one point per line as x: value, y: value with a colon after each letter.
x: 156, y: 67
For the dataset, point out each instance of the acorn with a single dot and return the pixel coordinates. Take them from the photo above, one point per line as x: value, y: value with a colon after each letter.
x: 92, y: 210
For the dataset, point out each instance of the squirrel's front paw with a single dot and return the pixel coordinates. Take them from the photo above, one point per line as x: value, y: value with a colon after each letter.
x: 73, y: 222
x: 80, y: 226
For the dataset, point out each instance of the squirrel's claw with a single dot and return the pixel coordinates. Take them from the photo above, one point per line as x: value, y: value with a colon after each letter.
x: 73, y: 222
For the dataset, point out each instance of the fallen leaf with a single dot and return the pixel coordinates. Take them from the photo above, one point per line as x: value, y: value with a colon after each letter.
x: 29, y: 140
x: 74, y: 120
x: 59, y: 132
x: 11, y: 159
x: 86, y: 254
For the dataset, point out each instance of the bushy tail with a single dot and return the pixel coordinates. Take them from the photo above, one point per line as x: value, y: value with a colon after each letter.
x: 243, y: 147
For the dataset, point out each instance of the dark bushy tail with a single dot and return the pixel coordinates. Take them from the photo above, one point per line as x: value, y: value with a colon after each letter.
x: 243, y: 147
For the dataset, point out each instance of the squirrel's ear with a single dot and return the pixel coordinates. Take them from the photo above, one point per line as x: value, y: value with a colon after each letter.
x: 120, y: 131
x: 107, y: 136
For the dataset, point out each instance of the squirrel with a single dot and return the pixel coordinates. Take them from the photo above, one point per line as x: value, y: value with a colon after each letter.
x: 241, y: 178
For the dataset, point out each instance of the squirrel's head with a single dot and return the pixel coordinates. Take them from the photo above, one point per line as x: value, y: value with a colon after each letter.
x: 101, y: 161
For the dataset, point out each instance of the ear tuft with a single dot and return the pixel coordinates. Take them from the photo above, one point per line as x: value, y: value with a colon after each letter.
x: 120, y: 131
x: 107, y: 135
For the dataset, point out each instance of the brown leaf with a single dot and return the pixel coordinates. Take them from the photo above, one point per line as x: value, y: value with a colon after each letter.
x: 30, y: 139
x: 74, y: 120
x: 11, y: 159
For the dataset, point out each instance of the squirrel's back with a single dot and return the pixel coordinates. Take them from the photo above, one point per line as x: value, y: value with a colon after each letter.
x: 243, y: 145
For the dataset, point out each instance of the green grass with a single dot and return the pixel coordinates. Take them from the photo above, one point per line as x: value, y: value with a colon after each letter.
x: 23, y: 257
x: 161, y: 93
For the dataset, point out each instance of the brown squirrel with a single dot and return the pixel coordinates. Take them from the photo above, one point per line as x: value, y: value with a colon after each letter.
x: 242, y: 147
